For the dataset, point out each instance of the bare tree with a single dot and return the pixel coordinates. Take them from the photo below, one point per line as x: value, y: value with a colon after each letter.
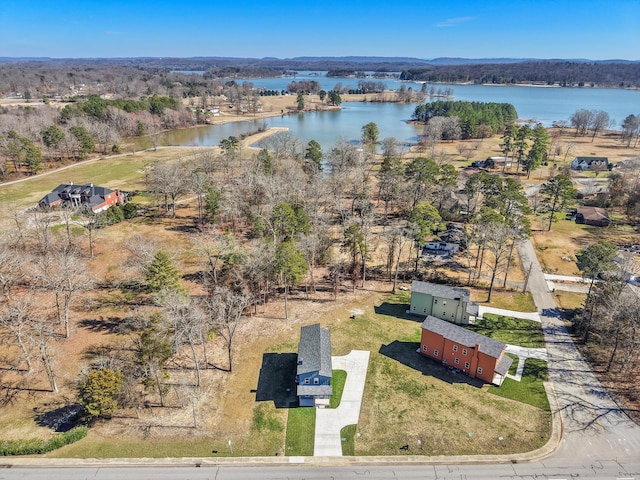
x: 62, y: 272
x: 187, y: 325
x: 599, y: 121
x: 15, y: 322
x: 170, y: 181
x: 497, y: 243
x: 223, y: 310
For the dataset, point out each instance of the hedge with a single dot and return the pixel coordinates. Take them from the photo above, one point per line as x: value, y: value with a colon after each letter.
x: 35, y: 446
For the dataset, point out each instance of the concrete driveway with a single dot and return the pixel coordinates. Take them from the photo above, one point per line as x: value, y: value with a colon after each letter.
x: 329, y: 421
x: 535, y: 316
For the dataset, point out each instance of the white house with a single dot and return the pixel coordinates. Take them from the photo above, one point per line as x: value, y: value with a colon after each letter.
x: 590, y: 163
x: 442, y: 247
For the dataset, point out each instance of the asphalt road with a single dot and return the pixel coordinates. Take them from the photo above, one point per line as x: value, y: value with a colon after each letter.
x: 599, y: 440
x: 595, y: 428
x: 529, y: 471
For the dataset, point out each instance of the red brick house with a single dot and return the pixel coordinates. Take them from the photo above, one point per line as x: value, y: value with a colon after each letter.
x: 98, y: 198
x: 474, y: 354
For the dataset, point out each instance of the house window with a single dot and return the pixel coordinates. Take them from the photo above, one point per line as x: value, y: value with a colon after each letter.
x: 444, y: 314
x: 424, y: 310
x: 444, y: 303
x: 466, y: 364
x: 414, y: 307
x: 316, y: 381
x: 457, y: 361
x: 424, y: 348
x: 479, y: 369
x: 435, y: 353
x: 435, y: 301
x: 455, y: 348
x: 306, y: 381
x: 464, y: 351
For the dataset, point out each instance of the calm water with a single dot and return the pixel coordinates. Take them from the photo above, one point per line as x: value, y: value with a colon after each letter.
x: 540, y: 104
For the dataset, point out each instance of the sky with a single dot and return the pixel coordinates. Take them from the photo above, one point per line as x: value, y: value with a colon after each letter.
x: 597, y: 30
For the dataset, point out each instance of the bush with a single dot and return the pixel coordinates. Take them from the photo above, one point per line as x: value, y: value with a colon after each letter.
x: 36, y: 446
x: 113, y: 215
x: 130, y: 210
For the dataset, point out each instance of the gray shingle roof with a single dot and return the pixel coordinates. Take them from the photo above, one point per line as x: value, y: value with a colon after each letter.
x: 314, y: 350
x: 314, y: 390
x: 462, y: 336
x: 444, y: 291
x: 503, y: 365
x: 50, y: 198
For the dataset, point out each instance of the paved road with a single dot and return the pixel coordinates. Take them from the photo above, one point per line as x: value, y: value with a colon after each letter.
x: 596, y: 429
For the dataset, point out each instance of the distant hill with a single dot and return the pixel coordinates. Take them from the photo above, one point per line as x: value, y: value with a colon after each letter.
x: 564, y: 72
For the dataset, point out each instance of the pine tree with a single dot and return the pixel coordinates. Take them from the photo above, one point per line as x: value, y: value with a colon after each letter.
x: 161, y: 274
x: 99, y: 392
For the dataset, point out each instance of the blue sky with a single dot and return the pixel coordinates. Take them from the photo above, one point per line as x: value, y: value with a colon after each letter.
x: 453, y: 28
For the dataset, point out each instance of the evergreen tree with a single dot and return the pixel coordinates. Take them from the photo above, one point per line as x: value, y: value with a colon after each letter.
x: 212, y: 203
x: 162, y: 275
x: 313, y: 158
x: 87, y: 145
x: 556, y: 194
x: 99, y: 392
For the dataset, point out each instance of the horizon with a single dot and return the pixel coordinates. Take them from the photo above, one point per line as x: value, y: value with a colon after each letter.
x: 328, y: 57
x: 570, y: 30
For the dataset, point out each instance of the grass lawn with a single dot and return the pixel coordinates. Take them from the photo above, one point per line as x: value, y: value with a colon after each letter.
x: 338, y: 379
x: 530, y: 389
x: 519, y: 302
x: 514, y: 364
x: 125, y: 172
x: 412, y: 400
x: 301, y: 429
x: 514, y: 331
x: 570, y: 300
x: 347, y: 437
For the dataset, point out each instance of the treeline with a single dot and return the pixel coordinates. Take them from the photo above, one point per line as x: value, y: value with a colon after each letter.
x: 625, y: 75
x: 30, y: 136
x: 241, y: 72
x: 98, y: 108
x: 471, y: 115
x: 65, y: 82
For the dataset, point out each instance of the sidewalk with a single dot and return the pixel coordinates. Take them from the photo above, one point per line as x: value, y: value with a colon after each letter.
x: 535, y: 316
x: 565, y: 278
x: 329, y: 421
x: 523, y: 353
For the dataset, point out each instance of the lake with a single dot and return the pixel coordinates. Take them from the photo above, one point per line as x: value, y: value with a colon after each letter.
x: 540, y: 104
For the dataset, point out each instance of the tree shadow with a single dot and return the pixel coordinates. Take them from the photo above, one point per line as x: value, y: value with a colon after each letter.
x: 406, y: 353
x: 191, y: 229
x: 101, y: 324
x: 277, y: 380
x: 61, y: 419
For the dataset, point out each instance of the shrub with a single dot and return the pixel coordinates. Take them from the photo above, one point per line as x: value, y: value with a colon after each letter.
x: 130, y: 210
x: 35, y: 446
